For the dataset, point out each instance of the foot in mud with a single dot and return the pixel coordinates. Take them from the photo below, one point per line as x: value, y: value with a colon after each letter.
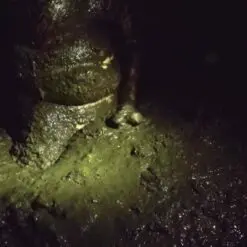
x: 127, y: 115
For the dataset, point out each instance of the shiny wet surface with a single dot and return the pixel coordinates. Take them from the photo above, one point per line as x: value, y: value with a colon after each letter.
x: 197, y: 197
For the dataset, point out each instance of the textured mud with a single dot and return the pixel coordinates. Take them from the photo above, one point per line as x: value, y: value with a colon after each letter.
x: 52, y: 127
x: 149, y: 185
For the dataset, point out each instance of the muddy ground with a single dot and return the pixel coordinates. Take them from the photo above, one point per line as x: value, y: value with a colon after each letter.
x: 166, y: 182
x: 161, y: 183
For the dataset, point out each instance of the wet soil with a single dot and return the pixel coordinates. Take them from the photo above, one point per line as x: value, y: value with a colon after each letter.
x: 161, y: 183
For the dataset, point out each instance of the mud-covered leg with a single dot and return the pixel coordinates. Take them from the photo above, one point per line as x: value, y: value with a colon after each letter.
x: 127, y: 55
x: 126, y: 108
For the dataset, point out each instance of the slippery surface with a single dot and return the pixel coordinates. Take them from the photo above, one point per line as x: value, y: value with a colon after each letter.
x: 52, y: 127
x: 147, y: 185
x: 64, y: 54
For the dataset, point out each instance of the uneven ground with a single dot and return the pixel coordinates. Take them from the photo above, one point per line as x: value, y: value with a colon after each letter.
x: 164, y: 184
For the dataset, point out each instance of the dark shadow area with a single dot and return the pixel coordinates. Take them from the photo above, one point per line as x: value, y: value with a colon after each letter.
x: 18, y: 95
x: 177, y: 75
x: 20, y: 228
x: 192, y: 60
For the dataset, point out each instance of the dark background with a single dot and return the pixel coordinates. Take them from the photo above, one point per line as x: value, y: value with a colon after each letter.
x: 178, y: 38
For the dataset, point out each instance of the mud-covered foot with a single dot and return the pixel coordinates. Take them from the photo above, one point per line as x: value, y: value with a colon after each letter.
x: 127, y: 115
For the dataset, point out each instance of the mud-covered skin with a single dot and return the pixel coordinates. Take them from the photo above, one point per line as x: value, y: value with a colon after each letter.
x: 74, y: 76
x: 52, y: 127
x: 127, y: 104
x: 81, y: 52
x: 77, y: 37
x: 70, y: 54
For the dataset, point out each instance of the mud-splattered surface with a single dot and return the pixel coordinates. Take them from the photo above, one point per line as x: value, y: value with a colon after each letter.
x: 147, y: 185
